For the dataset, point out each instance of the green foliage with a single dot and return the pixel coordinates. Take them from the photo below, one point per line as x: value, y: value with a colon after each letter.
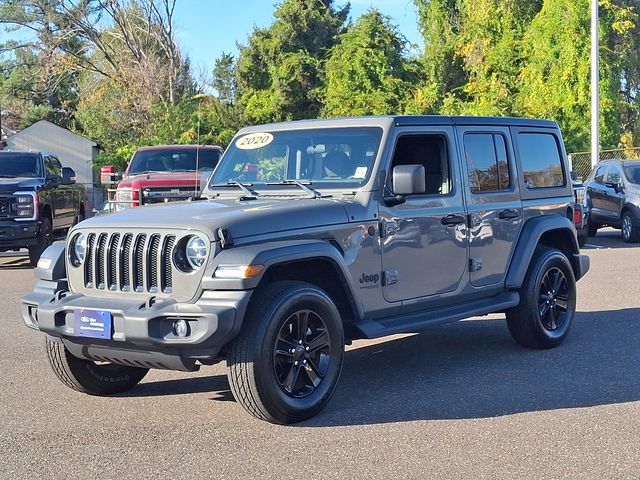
x: 367, y: 72
x: 280, y: 71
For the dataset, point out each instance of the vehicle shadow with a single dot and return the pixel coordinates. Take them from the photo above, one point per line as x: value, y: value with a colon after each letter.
x: 475, y: 370
x: 608, y: 238
x: 14, y: 262
x: 468, y: 370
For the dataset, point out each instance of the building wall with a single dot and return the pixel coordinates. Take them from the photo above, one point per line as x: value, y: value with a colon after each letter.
x: 73, y: 150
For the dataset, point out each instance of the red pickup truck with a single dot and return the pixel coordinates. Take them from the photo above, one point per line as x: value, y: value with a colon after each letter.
x: 161, y: 174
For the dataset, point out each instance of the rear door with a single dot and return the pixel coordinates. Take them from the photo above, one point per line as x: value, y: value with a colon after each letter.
x: 493, y: 201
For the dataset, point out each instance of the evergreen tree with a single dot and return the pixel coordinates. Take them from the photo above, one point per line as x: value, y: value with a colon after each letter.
x: 281, y: 70
x: 367, y: 72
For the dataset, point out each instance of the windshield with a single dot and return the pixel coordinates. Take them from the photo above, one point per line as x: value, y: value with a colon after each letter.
x: 173, y: 160
x: 329, y: 157
x: 632, y: 172
x: 20, y: 165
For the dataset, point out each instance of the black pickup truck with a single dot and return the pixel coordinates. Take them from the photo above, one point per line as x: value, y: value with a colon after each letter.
x: 38, y: 199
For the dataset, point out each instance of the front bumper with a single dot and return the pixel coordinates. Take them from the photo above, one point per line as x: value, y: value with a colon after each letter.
x: 142, y: 334
x: 19, y: 234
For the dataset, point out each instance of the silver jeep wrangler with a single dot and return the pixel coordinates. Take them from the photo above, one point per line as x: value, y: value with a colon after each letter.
x: 310, y: 235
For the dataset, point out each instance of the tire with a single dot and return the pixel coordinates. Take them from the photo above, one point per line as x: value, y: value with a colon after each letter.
x: 592, y: 228
x: 46, y: 237
x: 79, y: 217
x: 630, y: 230
x: 90, y: 377
x: 272, y: 372
x: 536, y: 323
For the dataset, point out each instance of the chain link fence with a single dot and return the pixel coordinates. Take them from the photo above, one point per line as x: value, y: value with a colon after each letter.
x: 581, y: 162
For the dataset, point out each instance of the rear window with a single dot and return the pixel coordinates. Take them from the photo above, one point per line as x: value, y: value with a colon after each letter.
x: 20, y: 165
x: 541, y: 160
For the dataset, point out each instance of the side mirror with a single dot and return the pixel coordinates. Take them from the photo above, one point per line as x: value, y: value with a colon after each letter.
x: 618, y: 187
x: 408, y: 180
x: 68, y: 176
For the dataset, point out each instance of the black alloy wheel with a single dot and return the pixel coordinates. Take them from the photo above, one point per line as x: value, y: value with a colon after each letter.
x: 302, y: 353
x: 554, y: 299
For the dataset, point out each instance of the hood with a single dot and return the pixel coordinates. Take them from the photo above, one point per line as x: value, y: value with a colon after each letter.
x: 28, y: 184
x: 163, y: 179
x: 240, y: 218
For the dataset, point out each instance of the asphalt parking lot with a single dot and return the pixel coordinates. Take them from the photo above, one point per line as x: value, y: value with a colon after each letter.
x: 461, y: 401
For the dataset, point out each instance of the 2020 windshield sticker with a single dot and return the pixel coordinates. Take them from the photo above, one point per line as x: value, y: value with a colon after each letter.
x: 254, y: 140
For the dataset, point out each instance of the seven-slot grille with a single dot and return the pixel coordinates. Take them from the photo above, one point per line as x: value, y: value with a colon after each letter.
x: 129, y: 262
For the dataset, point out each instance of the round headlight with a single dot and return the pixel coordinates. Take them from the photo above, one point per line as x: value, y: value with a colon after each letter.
x: 196, y: 252
x: 78, y: 249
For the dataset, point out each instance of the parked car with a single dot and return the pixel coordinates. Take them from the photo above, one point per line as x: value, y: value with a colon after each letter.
x: 613, y: 198
x: 162, y: 174
x: 38, y: 200
x: 310, y: 235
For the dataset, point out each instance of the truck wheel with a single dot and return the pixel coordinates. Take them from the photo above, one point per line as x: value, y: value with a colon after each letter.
x: 592, y: 228
x: 630, y: 232
x: 46, y: 237
x: 582, y: 237
x: 285, y: 364
x: 547, y: 301
x: 90, y: 377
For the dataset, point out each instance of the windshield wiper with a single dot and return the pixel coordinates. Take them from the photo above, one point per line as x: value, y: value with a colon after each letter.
x: 250, y: 195
x: 304, y: 186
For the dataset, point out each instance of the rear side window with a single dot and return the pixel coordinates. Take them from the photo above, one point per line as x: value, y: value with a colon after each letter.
x: 541, y: 161
x: 486, y: 155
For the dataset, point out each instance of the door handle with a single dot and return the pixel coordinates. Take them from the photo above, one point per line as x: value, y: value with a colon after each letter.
x: 508, y: 213
x: 452, y: 220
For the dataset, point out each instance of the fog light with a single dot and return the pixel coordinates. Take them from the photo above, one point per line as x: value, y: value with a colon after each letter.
x: 181, y: 328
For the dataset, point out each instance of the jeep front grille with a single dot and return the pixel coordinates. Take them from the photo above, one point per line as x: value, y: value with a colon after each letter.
x: 129, y: 262
x: 5, y: 207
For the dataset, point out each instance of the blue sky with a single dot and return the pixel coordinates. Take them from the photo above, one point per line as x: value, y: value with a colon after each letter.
x: 206, y: 28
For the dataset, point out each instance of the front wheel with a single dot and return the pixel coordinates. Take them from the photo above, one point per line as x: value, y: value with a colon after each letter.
x: 285, y: 364
x: 547, y: 301
x: 91, y: 377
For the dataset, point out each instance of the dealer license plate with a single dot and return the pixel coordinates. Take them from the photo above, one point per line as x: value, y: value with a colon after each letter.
x: 92, y: 323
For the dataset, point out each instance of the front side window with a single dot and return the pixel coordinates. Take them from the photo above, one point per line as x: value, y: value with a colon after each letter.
x: 600, y: 172
x: 541, y: 160
x: 52, y: 170
x: 614, y: 176
x: 486, y: 155
x: 430, y: 151
x: 331, y: 157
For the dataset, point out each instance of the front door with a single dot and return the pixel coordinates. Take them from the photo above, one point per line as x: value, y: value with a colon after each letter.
x: 493, y: 201
x: 424, y: 239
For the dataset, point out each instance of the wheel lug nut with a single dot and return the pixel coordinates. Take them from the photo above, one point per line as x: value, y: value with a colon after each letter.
x: 299, y: 342
x: 307, y: 349
x: 295, y: 363
x: 304, y: 361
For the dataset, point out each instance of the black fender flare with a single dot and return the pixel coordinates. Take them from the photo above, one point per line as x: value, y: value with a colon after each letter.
x: 530, y: 236
x: 276, y: 253
x: 630, y: 206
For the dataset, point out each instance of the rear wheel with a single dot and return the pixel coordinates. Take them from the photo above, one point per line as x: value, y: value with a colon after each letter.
x: 46, y: 237
x: 592, y: 228
x: 91, y: 377
x: 630, y: 230
x: 285, y: 364
x: 547, y: 301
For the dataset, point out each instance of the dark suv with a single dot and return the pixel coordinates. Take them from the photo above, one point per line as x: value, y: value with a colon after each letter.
x: 613, y: 197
